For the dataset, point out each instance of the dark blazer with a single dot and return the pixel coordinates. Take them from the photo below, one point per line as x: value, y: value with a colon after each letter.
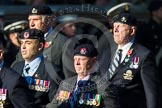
x: 18, y: 95
x: 95, y: 85
x: 42, y: 73
x: 136, y: 85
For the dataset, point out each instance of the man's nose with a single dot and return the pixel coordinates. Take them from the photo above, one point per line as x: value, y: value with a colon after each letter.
x: 78, y: 62
x: 116, y: 28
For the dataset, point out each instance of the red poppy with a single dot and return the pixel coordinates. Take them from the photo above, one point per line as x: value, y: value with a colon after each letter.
x: 47, y: 44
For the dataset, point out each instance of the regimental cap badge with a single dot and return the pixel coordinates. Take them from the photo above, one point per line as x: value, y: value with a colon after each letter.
x: 26, y: 35
x: 83, y: 50
x: 127, y: 8
x: 34, y: 11
x: 123, y: 19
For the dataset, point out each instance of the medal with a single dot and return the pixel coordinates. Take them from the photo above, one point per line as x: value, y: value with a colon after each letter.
x: 94, y: 102
x: 91, y: 102
x: 98, y: 96
x: 81, y: 101
x: 87, y: 102
x: 136, y: 61
x: 4, y: 94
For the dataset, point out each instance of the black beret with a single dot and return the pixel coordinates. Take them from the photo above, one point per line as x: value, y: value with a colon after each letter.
x: 154, y: 5
x: 40, y: 10
x: 125, y: 18
x: 87, y: 50
x: 32, y: 34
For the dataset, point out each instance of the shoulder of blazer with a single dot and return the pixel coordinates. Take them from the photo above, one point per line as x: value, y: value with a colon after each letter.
x: 18, y: 66
x: 141, y: 49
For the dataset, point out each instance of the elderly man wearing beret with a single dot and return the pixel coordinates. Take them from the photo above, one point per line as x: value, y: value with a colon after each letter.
x: 86, y: 89
x: 35, y: 68
x: 132, y: 72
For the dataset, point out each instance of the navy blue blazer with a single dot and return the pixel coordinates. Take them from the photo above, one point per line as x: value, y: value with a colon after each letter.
x: 18, y: 95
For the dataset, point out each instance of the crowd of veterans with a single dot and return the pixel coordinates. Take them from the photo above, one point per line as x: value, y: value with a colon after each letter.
x: 46, y: 63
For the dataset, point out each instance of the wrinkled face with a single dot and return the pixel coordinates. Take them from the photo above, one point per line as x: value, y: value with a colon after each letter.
x: 35, y: 21
x: 82, y: 64
x: 69, y: 29
x: 30, y: 48
x: 123, y: 33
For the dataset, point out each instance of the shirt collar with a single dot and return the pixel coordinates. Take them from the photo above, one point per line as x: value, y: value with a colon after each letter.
x: 35, y: 62
x: 125, y: 49
x: 49, y: 31
x: 127, y: 46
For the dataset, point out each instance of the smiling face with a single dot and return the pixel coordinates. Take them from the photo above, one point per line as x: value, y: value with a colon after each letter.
x: 123, y: 33
x: 82, y: 64
x: 30, y: 49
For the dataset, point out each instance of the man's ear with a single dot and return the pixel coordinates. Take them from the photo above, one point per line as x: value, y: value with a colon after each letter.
x: 1, y: 54
x: 40, y: 46
x: 133, y: 30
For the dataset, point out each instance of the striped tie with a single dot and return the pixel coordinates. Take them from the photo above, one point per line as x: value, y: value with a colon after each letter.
x: 27, y: 67
x: 115, y: 63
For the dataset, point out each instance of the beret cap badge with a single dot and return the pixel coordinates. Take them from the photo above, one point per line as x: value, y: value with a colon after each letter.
x: 26, y: 34
x: 83, y: 51
x: 34, y: 10
x: 123, y: 19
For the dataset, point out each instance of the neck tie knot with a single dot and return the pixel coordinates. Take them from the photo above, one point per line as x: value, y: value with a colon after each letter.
x: 81, y: 83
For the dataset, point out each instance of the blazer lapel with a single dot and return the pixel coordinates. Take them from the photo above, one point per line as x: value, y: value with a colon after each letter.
x: 20, y: 67
x: 39, y: 72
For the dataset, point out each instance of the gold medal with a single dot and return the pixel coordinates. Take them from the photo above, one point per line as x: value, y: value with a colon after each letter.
x: 94, y: 102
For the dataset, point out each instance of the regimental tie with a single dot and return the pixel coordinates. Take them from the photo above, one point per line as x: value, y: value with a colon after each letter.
x: 27, y: 67
x: 115, y: 63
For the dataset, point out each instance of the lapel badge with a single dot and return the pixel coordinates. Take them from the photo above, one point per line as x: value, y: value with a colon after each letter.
x: 36, y: 75
x: 130, y: 52
x: 128, y: 75
x: 47, y: 44
x: 123, y: 19
x: 34, y: 10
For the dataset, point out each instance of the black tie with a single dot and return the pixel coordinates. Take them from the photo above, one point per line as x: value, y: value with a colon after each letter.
x: 115, y: 63
x: 81, y: 83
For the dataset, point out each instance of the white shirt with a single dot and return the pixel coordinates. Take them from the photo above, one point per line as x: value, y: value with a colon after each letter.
x: 49, y: 31
x: 33, y: 66
x: 125, y: 49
